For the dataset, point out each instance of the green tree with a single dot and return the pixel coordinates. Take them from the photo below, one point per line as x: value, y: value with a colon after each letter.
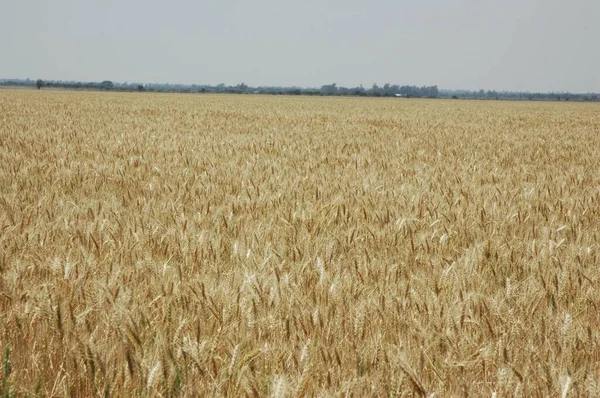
x: 39, y: 83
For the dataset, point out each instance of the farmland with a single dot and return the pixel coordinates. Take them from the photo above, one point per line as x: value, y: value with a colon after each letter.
x: 164, y: 245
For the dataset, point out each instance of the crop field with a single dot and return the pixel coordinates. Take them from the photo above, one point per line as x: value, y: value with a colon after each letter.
x: 204, y: 245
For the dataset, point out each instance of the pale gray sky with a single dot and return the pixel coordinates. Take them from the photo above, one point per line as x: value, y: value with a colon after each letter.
x: 529, y: 45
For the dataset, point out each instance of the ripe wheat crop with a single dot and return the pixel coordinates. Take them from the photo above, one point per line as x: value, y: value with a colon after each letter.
x: 164, y: 245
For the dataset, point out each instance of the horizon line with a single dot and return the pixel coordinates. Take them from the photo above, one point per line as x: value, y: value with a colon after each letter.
x: 4, y: 80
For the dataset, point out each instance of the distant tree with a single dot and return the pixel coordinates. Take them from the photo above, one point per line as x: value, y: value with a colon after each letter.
x: 140, y: 87
x: 433, y: 91
x: 389, y: 90
x: 39, y: 83
x: 329, y: 89
x: 375, y: 90
x: 357, y: 91
x: 107, y: 85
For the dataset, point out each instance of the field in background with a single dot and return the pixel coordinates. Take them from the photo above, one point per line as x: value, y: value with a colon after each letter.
x: 212, y: 245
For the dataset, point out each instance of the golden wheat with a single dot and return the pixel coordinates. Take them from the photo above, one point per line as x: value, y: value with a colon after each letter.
x: 245, y: 245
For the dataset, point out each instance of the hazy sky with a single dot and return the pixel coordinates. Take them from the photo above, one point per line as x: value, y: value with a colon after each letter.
x: 530, y: 45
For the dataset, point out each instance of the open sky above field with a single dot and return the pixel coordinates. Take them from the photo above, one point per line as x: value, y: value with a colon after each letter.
x: 525, y: 45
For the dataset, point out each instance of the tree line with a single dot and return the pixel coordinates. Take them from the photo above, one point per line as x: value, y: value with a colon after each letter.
x: 518, y: 95
x: 387, y: 90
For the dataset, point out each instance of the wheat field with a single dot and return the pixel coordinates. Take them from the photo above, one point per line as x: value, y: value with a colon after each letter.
x: 190, y: 245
